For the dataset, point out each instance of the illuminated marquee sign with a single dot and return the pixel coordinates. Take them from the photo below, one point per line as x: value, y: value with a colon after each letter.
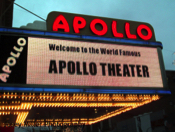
x: 58, y: 62
x: 99, y: 26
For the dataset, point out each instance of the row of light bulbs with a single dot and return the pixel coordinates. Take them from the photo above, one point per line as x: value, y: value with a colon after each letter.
x: 28, y: 106
x: 77, y: 97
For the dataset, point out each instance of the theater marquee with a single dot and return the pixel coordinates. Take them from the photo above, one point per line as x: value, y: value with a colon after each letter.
x: 79, y: 62
x: 43, y: 61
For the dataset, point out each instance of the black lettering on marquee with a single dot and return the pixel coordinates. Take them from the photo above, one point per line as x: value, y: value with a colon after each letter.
x: 93, y: 50
x: 111, y: 69
x: 103, y: 51
x: 139, y: 54
x: 52, y: 46
x: 62, y: 64
x: 126, y: 70
x: 93, y: 68
x: 63, y: 48
x: 67, y: 48
x: 78, y: 68
x: 103, y: 68
x: 109, y: 51
x: 120, y: 52
x: 71, y: 67
x: 57, y: 48
x: 118, y: 69
x: 138, y: 71
x: 84, y: 69
x: 132, y: 70
x: 52, y: 66
x: 145, y: 71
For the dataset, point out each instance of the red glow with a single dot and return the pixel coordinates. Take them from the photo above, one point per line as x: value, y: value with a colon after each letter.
x: 114, y: 30
x: 97, y: 32
x: 77, y: 25
x: 100, y: 27
x: 139, y: 32
x: 57, y: 25
x: 128, y: 34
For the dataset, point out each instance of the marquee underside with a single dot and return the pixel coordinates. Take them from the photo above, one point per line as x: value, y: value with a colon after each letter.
x: 29, y: 108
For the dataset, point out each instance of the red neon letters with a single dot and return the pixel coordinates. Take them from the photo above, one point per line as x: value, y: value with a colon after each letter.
x: 114, y: 30
x: 127, y: 30
x: 97, y: 32
x: 139, y: 32
x: 57, y: 25
x: 79, y: 23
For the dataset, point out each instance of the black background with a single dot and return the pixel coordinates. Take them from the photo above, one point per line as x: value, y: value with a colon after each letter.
x: 18, y: 71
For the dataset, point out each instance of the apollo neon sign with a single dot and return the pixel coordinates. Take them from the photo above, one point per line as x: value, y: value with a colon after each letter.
x: 98, y: 26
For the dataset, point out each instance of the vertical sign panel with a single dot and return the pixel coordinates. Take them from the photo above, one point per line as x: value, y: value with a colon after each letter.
x: 13, y: 59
